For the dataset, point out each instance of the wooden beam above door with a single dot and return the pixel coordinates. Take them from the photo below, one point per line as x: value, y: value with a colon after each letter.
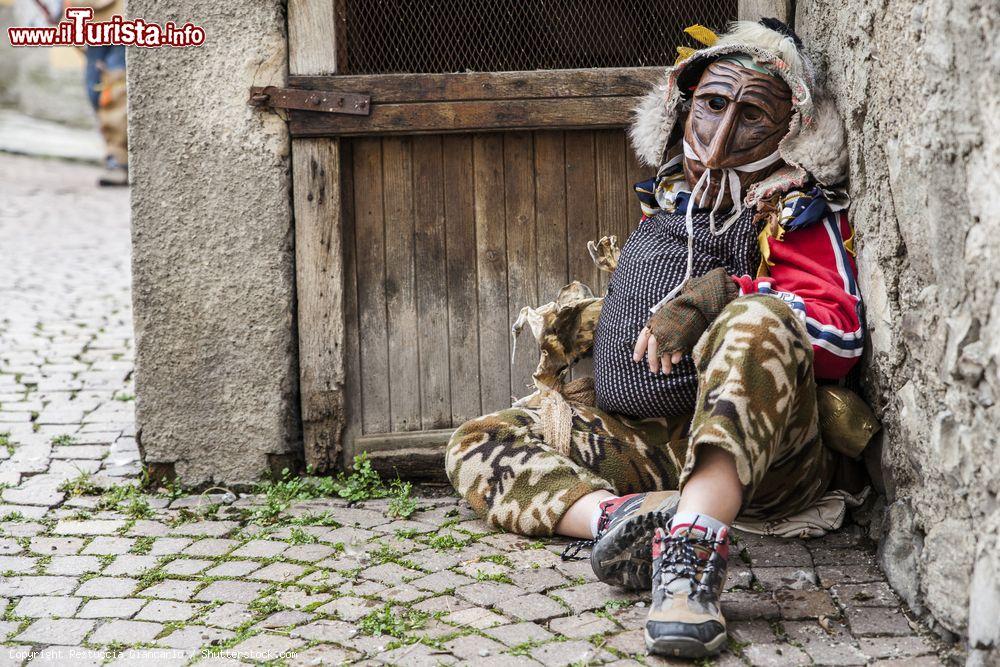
x: 469, y: 86
x: 478, y: 102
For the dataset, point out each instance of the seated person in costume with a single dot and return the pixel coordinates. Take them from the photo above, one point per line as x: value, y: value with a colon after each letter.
x: 736, y: 292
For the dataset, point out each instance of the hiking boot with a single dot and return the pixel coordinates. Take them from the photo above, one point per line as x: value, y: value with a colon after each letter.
x: 621, y: 553
x: 689, y: 571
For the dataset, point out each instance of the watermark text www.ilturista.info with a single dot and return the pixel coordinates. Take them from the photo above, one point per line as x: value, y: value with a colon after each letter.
x: 77, y: 29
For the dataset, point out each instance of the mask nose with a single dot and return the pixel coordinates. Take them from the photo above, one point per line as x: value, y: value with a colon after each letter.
x: 719, y: 146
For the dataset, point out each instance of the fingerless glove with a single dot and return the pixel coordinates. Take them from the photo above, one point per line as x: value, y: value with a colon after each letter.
x: 679, y: 324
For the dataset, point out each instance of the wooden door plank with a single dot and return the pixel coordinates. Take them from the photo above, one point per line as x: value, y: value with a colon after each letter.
x: 312, y: 47
x: 432, y: 283
x: 463, y: 308
x: 550, y: 183
x: 388, y: 88
x: 319, y: 291
x: 400, y: 284
x: 353, y: 408
x: 522, y: 248
x: 612, y: 206
x: 581, y: 207
x: 370, y: 248
x: 634, y: 173
x: 340, y: 33
x: 319, y: 250
x: 475, y: 116
x: 491, y: 266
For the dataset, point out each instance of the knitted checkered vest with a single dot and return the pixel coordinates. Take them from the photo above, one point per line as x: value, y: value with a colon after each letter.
x: 653, y: 262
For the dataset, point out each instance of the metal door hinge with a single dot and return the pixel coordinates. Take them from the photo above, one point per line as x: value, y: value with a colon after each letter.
x: 324, y: 101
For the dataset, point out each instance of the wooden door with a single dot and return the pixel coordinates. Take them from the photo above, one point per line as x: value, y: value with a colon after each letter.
x: 424, y: 227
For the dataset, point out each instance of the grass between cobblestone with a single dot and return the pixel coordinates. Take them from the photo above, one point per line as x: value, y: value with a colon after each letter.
x: 344, y: 568
x: 350, y: 567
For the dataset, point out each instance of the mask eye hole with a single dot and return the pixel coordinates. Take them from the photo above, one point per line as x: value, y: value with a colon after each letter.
x: 717, y: 103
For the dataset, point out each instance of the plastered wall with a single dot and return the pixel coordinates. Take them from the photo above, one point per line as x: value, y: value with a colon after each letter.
x: 918, y: 84
x: 213, y: 247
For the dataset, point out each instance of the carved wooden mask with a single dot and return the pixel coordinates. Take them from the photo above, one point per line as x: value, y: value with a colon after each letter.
x: 738, y: 115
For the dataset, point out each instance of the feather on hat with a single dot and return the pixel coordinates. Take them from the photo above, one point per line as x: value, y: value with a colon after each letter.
x: 815, y: 145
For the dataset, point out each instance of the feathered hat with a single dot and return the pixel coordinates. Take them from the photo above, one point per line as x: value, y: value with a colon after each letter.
x: 815, y: 144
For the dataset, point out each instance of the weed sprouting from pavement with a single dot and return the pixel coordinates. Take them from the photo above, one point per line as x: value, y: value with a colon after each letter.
x: 364, y: 483
x: 137, y: 508
x: 497, y: 577
x: 387, y: 554
x: 499, y: 559
x: 266, y: 604
x: 401, y: 505
x: 396, y: 623
x: 298, y: 536
x: 143, y: 545
x: 81, y: 485
x: 446, y: 542
x: 313, y: 519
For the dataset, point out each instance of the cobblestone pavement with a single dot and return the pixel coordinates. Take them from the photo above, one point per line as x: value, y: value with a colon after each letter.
x: 94, y: 570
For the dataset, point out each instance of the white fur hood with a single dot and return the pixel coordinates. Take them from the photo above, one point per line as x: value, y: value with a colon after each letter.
x: 815, y: 143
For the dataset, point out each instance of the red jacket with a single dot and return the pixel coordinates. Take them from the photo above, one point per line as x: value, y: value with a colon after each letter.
x: 810, y: 267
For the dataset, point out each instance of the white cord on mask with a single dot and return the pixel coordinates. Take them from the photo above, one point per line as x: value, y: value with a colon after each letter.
x: 729, y: 182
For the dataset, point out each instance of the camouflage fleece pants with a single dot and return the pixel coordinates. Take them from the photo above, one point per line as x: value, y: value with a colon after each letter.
x: 756, y: 400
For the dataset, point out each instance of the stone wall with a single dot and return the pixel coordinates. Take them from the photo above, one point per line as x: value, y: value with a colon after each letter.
x: 213, y: 246
x: 918, y: 84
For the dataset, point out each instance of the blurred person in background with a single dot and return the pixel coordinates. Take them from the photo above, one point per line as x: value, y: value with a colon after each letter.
x: 104, y: 77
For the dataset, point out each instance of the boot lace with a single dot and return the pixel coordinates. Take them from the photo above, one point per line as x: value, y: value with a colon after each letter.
x: 680, y: 561
x: 572, y: 550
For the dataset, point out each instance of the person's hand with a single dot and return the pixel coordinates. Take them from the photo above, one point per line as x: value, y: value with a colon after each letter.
x: 672, y: 331
x: 645, y: 346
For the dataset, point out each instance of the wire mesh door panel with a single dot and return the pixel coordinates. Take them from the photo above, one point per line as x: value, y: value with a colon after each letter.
x: 442, y: 36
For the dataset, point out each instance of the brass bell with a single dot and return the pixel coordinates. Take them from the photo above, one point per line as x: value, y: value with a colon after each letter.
x: 846, y: 423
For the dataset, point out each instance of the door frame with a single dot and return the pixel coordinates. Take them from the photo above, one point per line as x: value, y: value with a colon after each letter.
x: 318, y: 205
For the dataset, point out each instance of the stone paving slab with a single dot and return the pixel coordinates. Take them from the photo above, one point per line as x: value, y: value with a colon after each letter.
x: 97, y: 571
